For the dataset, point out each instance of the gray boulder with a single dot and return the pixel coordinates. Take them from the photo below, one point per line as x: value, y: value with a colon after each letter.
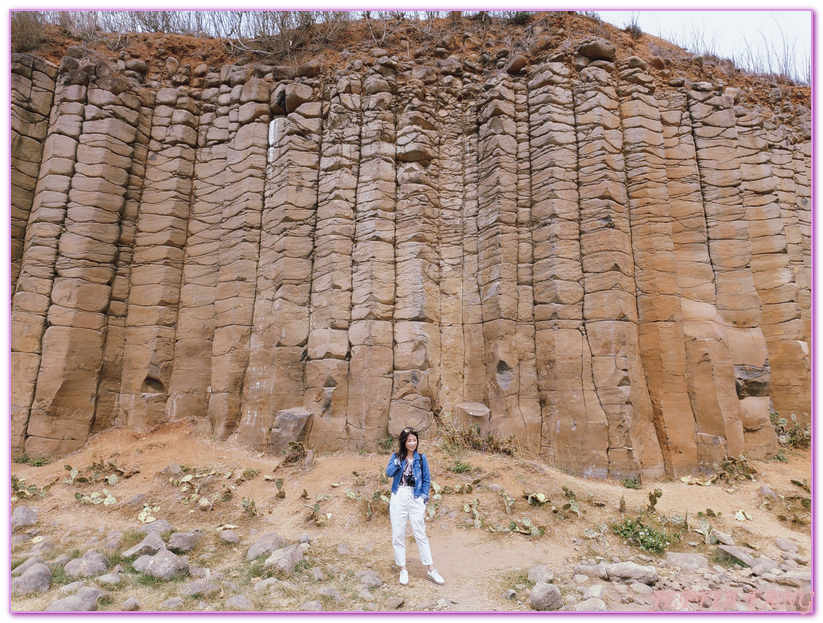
x: 392, y: 603
x: 110, y: 578
x: 330, y: 591
x: 737, y: 554
x: 84, y: 600
x: 285, y: 559
x: 141, y: 563
x: 763, y: 565
x: 787, y: 545
x: 725, y: 539
x: 150, y: 545
x: 311, y: 606
x: 371, y: 580
x: 692, y: 562
x: 541, y: 573
x: 632, y: 572
x: 197, y: 588
x: 36, y: 579
x: 239, y: 603
x: 169, y: 604
x: 90, y: 565
x: 598, y: 591
x: 266, y: 544
x: 265, y: 585
x: 593, y: 571
x: 166, y: 565
x: 22, y: 517
x: 229, y: 536
x: 797, y: 579
x: 546, y: 597
x: 34, y: 560
x: 130, y: 605
x: 73, y: 587
x: 161, y: 525
x: 591, y: 605
x: 182, y: 542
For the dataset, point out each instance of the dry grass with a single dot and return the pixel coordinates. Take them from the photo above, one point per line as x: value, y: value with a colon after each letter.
x: 26, y: 30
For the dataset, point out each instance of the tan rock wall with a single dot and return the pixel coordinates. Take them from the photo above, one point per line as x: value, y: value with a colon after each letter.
x: 618, y: 273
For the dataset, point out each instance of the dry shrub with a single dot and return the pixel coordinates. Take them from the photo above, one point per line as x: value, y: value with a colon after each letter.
x: 26, y: 30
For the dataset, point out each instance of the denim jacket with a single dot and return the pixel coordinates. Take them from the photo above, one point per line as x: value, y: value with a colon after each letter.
x: 420, y: 471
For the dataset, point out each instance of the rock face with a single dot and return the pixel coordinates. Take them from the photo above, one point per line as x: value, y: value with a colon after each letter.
x: 614, y: 271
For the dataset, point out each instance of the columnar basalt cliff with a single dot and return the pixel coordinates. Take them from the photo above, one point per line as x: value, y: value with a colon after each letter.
x: 578, y: 249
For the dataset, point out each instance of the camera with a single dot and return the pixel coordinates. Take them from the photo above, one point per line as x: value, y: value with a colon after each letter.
x: 410, y: 480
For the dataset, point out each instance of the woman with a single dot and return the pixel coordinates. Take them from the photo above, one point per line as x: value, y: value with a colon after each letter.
x: 409, y: 496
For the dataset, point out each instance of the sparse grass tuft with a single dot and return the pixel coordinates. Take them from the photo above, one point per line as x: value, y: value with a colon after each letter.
x: 34, y: 462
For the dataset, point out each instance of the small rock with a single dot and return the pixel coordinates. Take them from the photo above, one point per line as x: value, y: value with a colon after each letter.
x: 392, y: 603
x: 181, y: 542
x: 370, y: 579
x: 787, y: 545
x: 84, y: 600
x: 90, y: 565
x: 20, y: 570
x: 598, y: 591
x: 267, y: 584
x: 541, y: 573
x: 161, y: 525
x: 109, y: 578
x: 593, y: 571
x: 510, y: 594
x: 197, y: 588
x: 268, y: 543
x: 130, y: 605
x: 239, y: 603
x: 22, y: 517
x: 632, y: 571
x: 330, y: 591
x: 36, y: 579
x: 736, y: 554
x: 311, y: 606
x: 150, y: 545
x: 317, y: 574
x: 546, y: 597
x: 71, y: 588
x: 169, y: 604
x: 364, y: 594
x: 343, y: 548
x: 137, y: 499
x: 165, y: 565
x: 638, y: 588
x: 692, y: 562
x: 304, y: 538
x: 581, y: 579
x: 597, y: 49
x: 229, y: 536
x: 285, y: 558
x: 723, y: 538
x: 591, y: 605
x: 516, y: 64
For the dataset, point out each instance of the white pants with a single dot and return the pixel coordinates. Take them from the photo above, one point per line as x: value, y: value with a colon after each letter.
x: 402, y: 509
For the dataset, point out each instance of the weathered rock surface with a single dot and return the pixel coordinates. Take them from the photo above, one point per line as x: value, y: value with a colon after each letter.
x: 84, y: 600
x: 546, y: 597
x: 613, y: 270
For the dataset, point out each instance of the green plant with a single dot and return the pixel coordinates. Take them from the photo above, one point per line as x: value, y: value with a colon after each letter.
x: 794, y: 436
x: 459, y: 467
x: 653, y: 497
x: 318, y: 516
x: 571, y: 505
x: 643, y: 535
x: 455, y: 441
x: 472, y: 509
x: 20, y: 490
x: 733, y: 469
x: 250, y: 473
x: 280, y: 493
x: 508, y: 501
x: 38, y: 461
x: 780, y: 457
x: 295, y: 452
x: 631, y: 483
x: 536, y: 499
x: 385, y: 445
x: 249, y: 506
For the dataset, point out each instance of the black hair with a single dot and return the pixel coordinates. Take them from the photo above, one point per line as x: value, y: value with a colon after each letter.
x: 404, y: 435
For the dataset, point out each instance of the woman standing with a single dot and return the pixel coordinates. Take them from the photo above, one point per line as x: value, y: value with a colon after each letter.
x: 409, y: 496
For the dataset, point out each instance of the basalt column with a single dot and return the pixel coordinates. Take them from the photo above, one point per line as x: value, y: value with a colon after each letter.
x: 474, y: 371
x: 191, y: 377
x: 451, y: 162
x: 31, y: 300
x: 249, y: 117
x: 575, y: 430
x: 527, y: 425
x: 780, y: 321
x: 32, y: 93
x: 108, y: 389
x: 609, y: 305
x: 802, y: 181
x: 371, y: 333
x: 730, y: 251
x: 417, y: 356
x: 660, y: 327
x: 158, y: 260
x: 709, y: 368
x: 280, y: 332
x: 327, y: 368
x: 62, y: 413
x: 497, y: 251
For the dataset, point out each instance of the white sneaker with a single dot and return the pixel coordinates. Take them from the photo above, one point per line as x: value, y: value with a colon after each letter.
x: 404, y: 577
x: 435, y: 577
